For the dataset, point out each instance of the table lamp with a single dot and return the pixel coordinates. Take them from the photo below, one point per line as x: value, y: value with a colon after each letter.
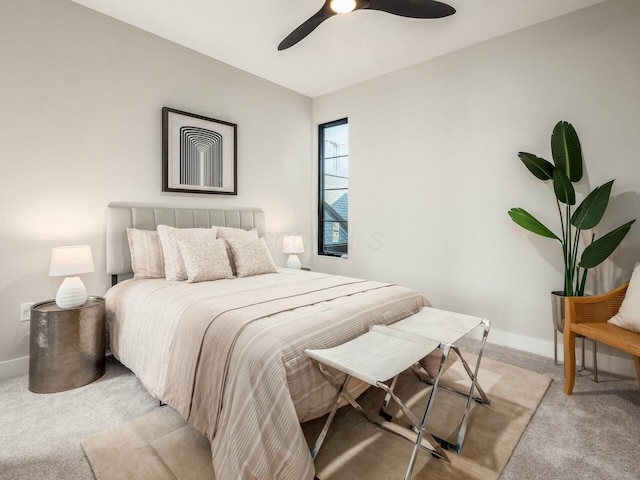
x: 69, y: 262
x: 292, y: 244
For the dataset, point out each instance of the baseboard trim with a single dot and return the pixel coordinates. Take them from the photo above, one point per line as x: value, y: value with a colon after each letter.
x: 606, y: 362
x: 609, y: 359
x: 14, y: 368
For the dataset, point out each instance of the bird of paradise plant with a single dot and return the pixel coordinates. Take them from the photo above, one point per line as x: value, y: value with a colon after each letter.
x: 567, y: 157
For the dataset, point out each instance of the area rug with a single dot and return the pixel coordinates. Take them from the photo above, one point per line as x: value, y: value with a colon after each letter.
x: 161, y: 446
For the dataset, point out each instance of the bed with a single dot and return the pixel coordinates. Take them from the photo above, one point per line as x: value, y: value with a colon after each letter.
x: 228, y: 354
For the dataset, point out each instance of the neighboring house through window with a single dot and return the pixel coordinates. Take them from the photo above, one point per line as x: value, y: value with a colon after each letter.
x: 333, y: 204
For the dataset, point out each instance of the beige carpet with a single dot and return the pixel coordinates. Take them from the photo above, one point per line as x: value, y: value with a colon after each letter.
x: 161, y: 446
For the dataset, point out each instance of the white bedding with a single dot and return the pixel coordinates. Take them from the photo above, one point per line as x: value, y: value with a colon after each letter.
x: 141, y: 331
x: 268, y: 384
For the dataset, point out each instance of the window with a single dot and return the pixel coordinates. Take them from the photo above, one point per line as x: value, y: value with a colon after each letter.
x: 333, y: 204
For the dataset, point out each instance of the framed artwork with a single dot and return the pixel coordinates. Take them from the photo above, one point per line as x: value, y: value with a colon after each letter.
x: 198, y: 154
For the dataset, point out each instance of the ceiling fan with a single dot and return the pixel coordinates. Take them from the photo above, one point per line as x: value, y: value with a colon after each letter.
x: 404, y: 8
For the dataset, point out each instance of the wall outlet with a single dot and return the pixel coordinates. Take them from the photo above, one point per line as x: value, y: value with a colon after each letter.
x: 25, y: 311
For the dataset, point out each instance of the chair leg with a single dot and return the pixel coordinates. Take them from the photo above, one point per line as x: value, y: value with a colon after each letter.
x: 636, y: 362
x: 569, y: 360
x: 595, y: 361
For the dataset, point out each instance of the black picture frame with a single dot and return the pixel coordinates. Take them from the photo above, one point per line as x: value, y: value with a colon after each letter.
x: 199, y: 154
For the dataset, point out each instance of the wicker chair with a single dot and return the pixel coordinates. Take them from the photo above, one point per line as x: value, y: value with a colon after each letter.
x: 587, y: 316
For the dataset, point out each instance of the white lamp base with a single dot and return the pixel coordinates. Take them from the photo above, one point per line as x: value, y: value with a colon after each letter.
x: 71, y: 293
x: 294, y: 262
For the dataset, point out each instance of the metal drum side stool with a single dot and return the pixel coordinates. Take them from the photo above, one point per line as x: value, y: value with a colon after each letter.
x: 67, y: 346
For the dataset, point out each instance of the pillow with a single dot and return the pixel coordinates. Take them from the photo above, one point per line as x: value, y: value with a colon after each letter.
x: 205, y: 260
x: 236, y: 233
x: 251, y: 257
x: 230, y: 233
x: 146, y: 253
x: 628, y: 317
x: 173, y: 264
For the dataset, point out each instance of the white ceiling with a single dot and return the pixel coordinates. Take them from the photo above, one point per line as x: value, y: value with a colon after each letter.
x: 344, y: 50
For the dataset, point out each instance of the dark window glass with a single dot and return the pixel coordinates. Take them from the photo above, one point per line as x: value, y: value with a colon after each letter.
x: 333, y: 218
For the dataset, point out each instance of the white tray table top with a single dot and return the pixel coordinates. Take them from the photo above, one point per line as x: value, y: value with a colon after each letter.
x: 442, y: 325
x: 378, y: 355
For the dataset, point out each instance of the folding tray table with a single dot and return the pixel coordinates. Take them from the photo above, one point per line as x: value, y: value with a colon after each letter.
x: 384, y: 352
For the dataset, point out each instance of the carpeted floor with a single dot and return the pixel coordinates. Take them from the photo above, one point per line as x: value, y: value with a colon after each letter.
x: 591, y: 434
x: 40, y: 434
x: 166, y: 448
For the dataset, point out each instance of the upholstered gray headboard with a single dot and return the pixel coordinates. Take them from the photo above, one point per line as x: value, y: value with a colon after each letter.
x: 121, y: 216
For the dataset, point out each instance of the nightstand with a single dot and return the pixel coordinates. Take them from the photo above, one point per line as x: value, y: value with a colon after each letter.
x: 67, y: 346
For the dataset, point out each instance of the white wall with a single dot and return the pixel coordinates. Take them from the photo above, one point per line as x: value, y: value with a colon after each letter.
x: 434, y: 166
x: 81, y: 98
x: 433, y: 155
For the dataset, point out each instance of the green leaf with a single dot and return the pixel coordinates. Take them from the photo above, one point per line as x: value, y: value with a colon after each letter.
x: 566, y: 151
x: 529, y: 222
x: 540, y: 167
x: 592, y: 208
x: 563, y: 187
x: 600, y: 249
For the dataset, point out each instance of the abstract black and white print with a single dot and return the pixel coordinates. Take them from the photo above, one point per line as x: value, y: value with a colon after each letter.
x: 200, y: 157
x: 198, y: 153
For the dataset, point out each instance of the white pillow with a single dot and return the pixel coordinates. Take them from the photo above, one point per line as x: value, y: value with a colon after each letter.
x: 146, y: 253
x: 251, y: 257
x: 230, y: 233
x: 173, y: 264
x: 205, y: 260
x: 236, y: 233
x: 628, y: 317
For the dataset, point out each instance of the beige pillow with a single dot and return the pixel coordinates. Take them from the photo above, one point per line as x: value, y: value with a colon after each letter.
x: 230, y: 233
x: 251, y: 257
x: 628, y: 317
x: 173, y: 264
x: 205, y: 260
x: 146, y: 253
x: 236, y: 233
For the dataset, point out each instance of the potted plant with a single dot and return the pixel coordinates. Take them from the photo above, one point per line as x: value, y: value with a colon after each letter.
x: 574, y: 221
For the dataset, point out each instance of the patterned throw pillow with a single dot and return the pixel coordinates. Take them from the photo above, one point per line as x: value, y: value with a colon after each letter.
x: 230, y: 233
x: 146, y: 253
x: 174, y: 268
x: 236, y: 233
x: 205, y: 260
x: 251, y: 257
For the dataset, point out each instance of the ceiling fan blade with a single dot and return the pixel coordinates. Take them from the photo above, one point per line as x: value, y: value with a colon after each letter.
x: 307, y: 27
x: 413, y: 8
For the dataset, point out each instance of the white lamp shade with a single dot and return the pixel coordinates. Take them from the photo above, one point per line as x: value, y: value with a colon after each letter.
x: 292, y: 244
x: 73, y: 260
